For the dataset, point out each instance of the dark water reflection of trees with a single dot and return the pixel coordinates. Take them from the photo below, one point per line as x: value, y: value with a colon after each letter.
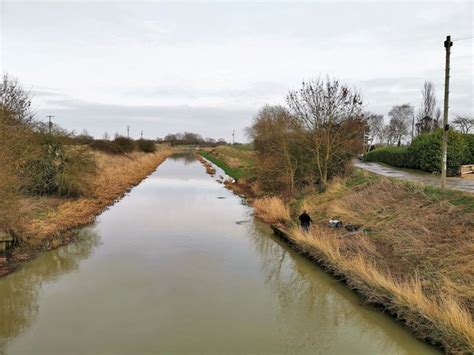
x: 186, y: 157
x: 19, y: 291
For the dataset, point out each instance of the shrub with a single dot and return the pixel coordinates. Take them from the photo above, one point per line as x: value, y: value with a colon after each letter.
x: 146, y: 145
x: 469, y: 153
x: 39, y: 173
x: 396, y: 156
x: 73, y: 179
x: 58, y: 169
x: 126, y: 144
x: 425, y: 151
x: 106, y: 146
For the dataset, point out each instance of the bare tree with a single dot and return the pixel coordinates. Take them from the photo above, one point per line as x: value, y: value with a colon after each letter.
x: 275, y: 135
x: 427, y: 118
x: 15, y: 101
x: 400, y: 120
x: 376, y: 128
x: 463, y: 123
x: 326, y: 109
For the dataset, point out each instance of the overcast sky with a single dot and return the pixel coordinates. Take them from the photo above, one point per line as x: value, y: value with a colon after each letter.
x: 208, y: 67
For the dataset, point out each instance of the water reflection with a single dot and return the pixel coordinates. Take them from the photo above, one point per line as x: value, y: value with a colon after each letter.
x: 19, y: 291
x: 186, y: 157
x: 185, y: 268
x: 317, y: 312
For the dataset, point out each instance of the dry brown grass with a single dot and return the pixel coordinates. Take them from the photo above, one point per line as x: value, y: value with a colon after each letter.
x: 439, y: 317
x: 271, y: 210
x: 46, y: 219
x: 414, y: 255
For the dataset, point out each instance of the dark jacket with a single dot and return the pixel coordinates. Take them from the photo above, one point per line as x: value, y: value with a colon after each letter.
x: 305, y: 219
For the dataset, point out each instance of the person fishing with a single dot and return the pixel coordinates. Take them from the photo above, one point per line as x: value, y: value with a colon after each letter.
x: 305, y: 220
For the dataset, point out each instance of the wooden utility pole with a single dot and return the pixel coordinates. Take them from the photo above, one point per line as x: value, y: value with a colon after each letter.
x: 233, y: 134
x: 50, y: 123
x: 128, y: 131
x: 141, y: 134
x: 444, y: 162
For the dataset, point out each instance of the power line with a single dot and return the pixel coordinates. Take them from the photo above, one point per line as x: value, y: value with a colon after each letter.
x: 462, y: 38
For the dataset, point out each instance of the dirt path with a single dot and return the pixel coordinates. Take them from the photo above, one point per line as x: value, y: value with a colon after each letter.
x: 454, y: 183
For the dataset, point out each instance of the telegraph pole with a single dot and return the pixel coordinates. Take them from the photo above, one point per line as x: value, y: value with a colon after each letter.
x: 128, y: 131
x: 141, y: 134
x: 444, y: 162
x: 233, y: 134
x: 50, y: 124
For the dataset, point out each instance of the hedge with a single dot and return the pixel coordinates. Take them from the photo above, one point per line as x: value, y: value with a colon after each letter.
x: 396, y: 156
x: 424, y: 152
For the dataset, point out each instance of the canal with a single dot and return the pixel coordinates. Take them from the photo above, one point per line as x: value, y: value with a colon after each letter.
x: 180, y: 266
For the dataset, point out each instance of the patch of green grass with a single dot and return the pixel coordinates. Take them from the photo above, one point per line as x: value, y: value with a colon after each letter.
x: 245, y: 147
x: 455, y: 198
x: 232, y: 172
x: 361, y: 177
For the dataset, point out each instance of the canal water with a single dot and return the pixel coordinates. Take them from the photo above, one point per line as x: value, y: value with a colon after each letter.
x: 180, y: 266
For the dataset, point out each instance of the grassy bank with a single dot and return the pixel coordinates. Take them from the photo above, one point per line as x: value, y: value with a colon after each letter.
x: 46, y: 221
x: 412, y: 256
x: 236, y: 162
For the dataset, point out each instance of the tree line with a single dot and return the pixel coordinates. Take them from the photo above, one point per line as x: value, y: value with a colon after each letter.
x: 404, y: 124
x: 189, y: 138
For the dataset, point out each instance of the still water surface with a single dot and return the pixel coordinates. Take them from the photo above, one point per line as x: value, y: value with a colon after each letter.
x: 180, y: 266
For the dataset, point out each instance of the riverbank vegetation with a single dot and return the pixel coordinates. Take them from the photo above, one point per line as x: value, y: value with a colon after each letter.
x: 237, y: 163
x: 412, y: 253
x: 52, y: 181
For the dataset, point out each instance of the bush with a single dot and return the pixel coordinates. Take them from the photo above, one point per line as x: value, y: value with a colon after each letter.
x: 396, y: 156
x: 146, y: 145
x: 58, y: 169
x: 469, y: 154
x: 126, y: 144
x: 73, y: 179
x: 106, y: 146
x: 425, y: 151
x: 39, y: 173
